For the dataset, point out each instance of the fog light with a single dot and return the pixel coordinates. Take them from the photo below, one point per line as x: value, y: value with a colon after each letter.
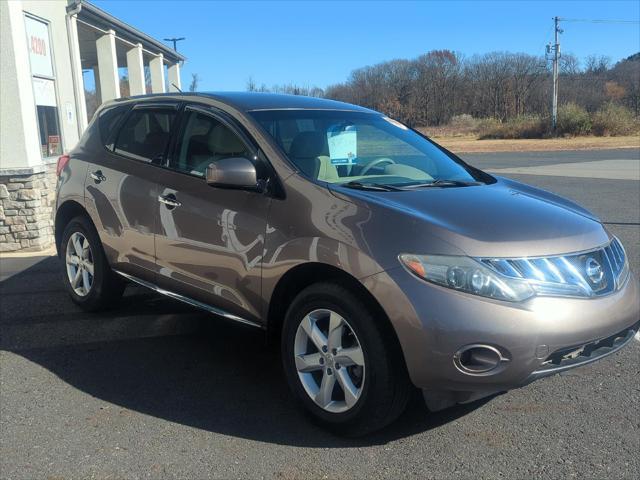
x: 478, y: 359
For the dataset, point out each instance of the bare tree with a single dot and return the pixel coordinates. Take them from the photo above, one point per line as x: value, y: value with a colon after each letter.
x: 289, y: 88
x: 432, y: 88
x: 195, y: 80
x: 569, y: 64
x: 595, y: 64
x: 251, y: 85
x: 125, y: 91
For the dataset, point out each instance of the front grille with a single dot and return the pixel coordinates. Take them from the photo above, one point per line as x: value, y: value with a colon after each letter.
x: 586, y: 274
x: 565, y: 358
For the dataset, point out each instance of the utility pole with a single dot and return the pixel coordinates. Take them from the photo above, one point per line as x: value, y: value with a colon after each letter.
x: 556, y: 56
x: 175, y: 41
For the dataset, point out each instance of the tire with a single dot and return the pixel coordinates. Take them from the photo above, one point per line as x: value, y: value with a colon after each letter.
x: 104, y: 287
x: 382, y: 386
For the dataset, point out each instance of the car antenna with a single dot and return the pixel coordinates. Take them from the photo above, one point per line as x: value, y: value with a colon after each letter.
x: 176, y: 87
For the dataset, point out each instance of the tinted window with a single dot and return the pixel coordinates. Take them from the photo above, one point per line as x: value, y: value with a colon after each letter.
x: 108, y: 121
x: 205, y: 140
x: 145, y: 134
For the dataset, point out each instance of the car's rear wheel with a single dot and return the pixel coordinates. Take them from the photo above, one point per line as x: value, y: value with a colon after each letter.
x: 340, y: 364
x: 86, y: 273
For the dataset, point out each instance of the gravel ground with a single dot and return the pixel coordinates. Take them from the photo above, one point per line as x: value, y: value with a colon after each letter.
x: 154, y: 389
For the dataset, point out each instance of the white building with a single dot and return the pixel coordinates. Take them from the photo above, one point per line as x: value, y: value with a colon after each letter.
x: 48, y: 50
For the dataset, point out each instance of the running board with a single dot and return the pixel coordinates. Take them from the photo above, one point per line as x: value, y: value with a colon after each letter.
x: 190, y: 301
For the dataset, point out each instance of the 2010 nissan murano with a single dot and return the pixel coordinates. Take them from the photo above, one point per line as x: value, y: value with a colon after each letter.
x: 379, y: 259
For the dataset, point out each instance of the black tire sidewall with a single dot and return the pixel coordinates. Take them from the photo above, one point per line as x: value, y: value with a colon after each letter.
x: 377, y: 355
x: 102, y: 274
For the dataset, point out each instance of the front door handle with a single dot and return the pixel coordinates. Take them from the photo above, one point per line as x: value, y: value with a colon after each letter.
x: 98, y: 176
x: 169, y: 200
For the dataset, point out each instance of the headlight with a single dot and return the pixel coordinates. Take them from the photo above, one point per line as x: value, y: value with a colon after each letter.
x: 467, y: 275
x: 623, y: 273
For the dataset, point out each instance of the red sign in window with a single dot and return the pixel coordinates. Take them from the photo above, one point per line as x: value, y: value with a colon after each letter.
x: 38, y: 46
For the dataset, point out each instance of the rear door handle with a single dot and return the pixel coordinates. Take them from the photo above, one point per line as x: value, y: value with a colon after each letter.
x: 98, y: 176
x: 169, y: 200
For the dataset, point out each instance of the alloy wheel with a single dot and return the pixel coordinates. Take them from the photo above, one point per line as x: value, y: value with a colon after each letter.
x: 329, y: 360
x: 79, y: 261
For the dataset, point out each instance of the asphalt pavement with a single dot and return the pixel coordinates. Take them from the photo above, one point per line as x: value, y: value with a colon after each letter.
x: 155, y: 389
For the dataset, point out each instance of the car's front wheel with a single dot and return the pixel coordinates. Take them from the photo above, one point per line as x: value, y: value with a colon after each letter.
x: 340, y: 362
x: 86, y: 273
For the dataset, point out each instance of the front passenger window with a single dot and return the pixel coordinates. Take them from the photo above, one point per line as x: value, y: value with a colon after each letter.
x: 205, y: 140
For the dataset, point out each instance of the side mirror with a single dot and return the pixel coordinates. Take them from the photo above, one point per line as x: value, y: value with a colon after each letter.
x: 233, y: 172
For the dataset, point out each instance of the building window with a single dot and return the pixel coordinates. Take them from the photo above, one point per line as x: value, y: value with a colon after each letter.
x: 44, y: 91
x: 47, y: 110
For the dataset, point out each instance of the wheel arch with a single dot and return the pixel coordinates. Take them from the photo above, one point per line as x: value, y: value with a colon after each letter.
x: 303, y: 275
x: 68, y: 210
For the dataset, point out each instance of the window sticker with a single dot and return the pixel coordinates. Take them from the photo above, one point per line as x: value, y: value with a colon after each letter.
x: 343, y: 144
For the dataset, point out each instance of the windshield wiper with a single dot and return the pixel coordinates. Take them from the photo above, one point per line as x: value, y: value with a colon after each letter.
x: 442, y: 183
x: 380, y: 187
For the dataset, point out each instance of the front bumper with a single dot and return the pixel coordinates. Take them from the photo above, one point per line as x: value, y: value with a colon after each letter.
x: 579, y: 355
x: 433, y: 323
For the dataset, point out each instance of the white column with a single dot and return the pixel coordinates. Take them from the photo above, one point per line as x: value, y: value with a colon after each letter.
x: 108, y: 66
x: 135, y: 69
x: 156, y: 66
x: 173, y: 73
x: 78, y: 81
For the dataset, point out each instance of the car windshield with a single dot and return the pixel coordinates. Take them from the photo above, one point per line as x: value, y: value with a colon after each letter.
x: 361, y: 149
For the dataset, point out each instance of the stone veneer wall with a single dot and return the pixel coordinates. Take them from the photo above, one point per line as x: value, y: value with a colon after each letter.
x: 26, y: 210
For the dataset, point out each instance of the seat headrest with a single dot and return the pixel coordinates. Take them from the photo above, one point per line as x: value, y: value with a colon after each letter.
x: 199, y: 145
x: 225, y: 142
x: 308, y: 145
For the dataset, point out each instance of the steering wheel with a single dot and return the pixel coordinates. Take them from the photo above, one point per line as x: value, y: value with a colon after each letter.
x: 375, y: 163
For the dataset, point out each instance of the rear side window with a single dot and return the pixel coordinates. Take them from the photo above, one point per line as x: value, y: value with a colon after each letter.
x: 145, y: 134
x: 108, y: 121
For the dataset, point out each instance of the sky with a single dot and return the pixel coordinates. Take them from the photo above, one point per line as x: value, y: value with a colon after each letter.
x: 320, y: 43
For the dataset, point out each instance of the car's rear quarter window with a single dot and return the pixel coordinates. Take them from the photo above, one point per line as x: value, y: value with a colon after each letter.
x: 108, y: 121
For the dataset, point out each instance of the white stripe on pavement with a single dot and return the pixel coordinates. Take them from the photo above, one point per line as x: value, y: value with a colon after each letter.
x: 611, y: 169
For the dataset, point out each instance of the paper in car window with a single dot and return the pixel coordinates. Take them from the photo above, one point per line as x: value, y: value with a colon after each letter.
x: 343, y: 144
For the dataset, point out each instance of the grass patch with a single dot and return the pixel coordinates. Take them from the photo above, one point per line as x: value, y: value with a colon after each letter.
x: 614, y: 120
x: 524, y: 126
x: 573, y: 120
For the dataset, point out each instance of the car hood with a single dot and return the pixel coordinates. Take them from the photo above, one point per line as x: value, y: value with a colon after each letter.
x: 503, y: 219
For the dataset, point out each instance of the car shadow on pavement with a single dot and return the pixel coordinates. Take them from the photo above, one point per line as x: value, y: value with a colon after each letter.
x: 156, y: 356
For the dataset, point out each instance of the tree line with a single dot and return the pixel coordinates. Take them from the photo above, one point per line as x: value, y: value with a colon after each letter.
x: 432, y: 88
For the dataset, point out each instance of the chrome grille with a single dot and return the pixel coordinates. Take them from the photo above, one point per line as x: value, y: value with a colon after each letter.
x: 585, y: 274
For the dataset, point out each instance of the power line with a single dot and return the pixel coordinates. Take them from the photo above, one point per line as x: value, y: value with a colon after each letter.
x: 590, y: 20
x: 546, y: 38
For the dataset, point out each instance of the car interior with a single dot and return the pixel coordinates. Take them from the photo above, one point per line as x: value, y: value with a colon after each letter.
x: 206, y: 141
x: 145, y: 134
x: 309, y: 150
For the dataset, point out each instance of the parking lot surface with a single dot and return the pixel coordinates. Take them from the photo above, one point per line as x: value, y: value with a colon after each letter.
x: 154, y: 389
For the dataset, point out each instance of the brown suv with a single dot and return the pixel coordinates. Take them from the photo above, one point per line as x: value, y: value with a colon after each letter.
x: 380, y: 259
